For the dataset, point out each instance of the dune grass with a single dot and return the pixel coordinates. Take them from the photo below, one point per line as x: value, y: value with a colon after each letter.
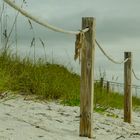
x: 42, y: 79
x: 50, y: 81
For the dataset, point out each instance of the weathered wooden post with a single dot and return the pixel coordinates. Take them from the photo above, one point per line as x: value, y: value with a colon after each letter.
x: 127, y: 87
x: 101, y: 84
x: 87, y: 79
x: 108, y: 87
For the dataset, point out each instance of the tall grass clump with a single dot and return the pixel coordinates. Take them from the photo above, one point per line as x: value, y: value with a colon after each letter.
x: 48, y: 81
x: 111, y: 99
x: 107, y: 99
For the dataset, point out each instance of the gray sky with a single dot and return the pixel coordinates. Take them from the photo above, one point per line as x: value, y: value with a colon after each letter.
x: 117, y: 29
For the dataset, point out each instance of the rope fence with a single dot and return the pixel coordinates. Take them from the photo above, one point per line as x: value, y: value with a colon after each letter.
x: 135, y: 75
x: 114, y: 61
x: 112, y: 86
x: 111, y: 59
x: 39, y: 21
x: 85, y: 47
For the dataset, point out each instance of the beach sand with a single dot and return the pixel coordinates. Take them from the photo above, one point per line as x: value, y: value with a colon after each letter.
x: 22, y: 119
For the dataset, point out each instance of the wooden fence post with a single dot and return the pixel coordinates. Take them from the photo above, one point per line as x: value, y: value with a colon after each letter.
x: 101, y: 84
x: 87, y: 79
x: 127, y: 87
x: 108, y: 87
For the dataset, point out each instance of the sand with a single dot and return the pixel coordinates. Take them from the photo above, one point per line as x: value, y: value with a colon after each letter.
x: 22, y: 119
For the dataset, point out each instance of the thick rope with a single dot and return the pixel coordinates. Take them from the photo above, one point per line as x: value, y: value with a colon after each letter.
x: 135, y: 74
x: 43, y: 23
x: 111, y: 59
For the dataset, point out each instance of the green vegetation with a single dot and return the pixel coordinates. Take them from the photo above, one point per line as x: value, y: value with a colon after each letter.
x: 111, y: 99
x: 50, y: 81
x: 42, y: 79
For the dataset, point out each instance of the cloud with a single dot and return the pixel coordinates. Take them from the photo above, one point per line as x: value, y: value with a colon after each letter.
x: 117, y: 30
x: 116, y: 20
x: 114, y: 29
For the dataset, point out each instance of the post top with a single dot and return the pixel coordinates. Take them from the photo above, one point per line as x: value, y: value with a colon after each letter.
x: 91, y: 18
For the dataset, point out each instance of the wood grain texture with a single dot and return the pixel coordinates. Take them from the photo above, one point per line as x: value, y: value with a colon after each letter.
x: 127, y: 88
x: 87, y: 79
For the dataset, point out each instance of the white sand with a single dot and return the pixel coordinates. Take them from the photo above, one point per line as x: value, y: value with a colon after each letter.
x: 29, y: 120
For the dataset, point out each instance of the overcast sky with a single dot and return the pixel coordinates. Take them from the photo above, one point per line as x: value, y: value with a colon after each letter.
x: 117, y: 29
